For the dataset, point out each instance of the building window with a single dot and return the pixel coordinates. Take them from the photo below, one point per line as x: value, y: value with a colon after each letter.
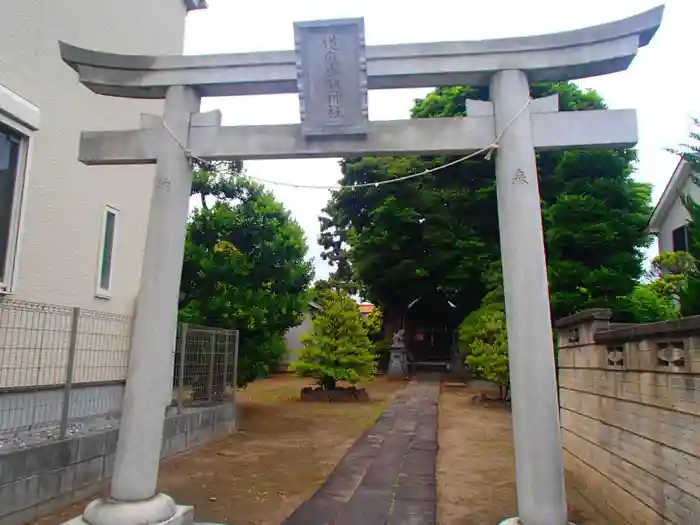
x: 13, y: 152
x: 681, y: 242
x: 106, y: 267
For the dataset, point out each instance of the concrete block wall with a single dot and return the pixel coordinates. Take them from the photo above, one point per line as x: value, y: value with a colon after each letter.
x: 38, y: 409
x: 41, y: 479
x: 630, y: 416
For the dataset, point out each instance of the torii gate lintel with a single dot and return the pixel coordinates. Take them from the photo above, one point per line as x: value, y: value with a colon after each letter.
x: 209, y: 140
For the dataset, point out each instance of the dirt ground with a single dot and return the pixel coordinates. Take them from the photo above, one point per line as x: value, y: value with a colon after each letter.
x: 283, y: 452
x: 285, y: 449
x: 476, y: 476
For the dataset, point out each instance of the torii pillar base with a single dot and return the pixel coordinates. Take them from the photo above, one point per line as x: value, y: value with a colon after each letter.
x: 160, y: 510
x: 516, y: 521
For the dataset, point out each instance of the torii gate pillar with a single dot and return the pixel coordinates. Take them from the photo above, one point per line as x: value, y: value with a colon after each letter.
x: 339, y: 70
x: 538, y: 448
x: 133, y: 498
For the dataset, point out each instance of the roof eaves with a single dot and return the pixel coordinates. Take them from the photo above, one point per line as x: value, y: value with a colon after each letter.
x: 196, y: 4
x: 670, y: 194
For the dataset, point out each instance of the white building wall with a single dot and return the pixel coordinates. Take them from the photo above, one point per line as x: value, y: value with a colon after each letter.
x: 64, y: 201
x: 676, y: 217
x: 292, y: 339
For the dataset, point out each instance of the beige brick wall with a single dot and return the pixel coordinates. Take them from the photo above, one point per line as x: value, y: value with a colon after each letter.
x: 630, y: 416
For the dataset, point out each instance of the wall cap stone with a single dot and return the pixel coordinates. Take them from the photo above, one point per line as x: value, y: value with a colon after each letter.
x: 681, y: 327
x: 583, y: 317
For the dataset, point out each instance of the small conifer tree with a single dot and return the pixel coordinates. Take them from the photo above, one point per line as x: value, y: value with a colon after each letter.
x: 338, y: 348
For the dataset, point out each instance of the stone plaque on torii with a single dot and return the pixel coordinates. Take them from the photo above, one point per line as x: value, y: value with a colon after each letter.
x: 332, y: 70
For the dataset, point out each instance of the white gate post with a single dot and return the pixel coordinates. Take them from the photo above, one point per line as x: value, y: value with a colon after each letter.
x: 133, y: 498
x: 538, y: 449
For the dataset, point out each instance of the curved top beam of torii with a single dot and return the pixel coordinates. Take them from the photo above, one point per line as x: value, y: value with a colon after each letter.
x: 569, y: 55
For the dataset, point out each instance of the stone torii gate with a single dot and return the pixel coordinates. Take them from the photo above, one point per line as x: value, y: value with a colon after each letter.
x: 332, y: 70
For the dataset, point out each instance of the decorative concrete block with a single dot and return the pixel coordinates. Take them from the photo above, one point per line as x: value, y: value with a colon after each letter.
x: 8, y: 496
x: 19, y: 518
x: 177, y: 444
x: 108, y: 466
x: 86, y: 492
x: 51, y: 456
x: 170, y: 428
x: 182, y: 423
x: 111, y: 438
x: 49, y: 485
x: 67, y: 479
x: 13, y: 466
x: 54, y: 474
x: 192, y: 421
x: 87, y: 473
x: 19, y: 495
x: 207, y: 419
x: 91, y: 447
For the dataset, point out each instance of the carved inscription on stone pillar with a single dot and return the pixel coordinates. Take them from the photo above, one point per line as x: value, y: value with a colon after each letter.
x: 332, y: 76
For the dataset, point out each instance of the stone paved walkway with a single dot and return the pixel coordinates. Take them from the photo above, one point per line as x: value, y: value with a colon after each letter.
x: 388, y: 475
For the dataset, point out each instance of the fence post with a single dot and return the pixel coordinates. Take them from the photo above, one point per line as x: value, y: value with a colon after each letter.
x: 225, y: 378
x: 235, y: 365
x: 181, y: 370
x: 70, y: 365
x: 211, y: 365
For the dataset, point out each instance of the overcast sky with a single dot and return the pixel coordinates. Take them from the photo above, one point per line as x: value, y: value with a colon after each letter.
x: 663, y: 83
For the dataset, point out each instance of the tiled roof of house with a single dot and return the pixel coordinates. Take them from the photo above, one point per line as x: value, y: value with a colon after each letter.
x: 365, y: 308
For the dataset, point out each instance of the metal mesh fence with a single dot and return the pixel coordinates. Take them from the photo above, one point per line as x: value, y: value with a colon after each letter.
x: 52, y: 360
x: 63, y: 369
x: 204, y: 365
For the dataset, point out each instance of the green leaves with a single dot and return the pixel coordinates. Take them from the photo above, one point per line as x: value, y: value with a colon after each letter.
x: 244, y: 267
x: 338, y: 347
x: 440, y: 231
x: 648, y: 304
x: 483, y: 338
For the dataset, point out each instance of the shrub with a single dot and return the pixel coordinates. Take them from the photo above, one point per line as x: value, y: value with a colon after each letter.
x: 338, y: 347
x: 483, y: 337
x: 648, y: 303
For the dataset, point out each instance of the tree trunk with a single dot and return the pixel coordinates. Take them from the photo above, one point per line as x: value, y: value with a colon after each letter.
x: 328, y: 383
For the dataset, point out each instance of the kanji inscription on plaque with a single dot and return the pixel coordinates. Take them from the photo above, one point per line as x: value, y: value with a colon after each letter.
x: 332, y: 76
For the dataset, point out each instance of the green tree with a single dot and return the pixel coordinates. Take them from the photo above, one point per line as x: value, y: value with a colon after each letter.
x: 338, y: 347
x: 334, y: 241
x: 373, y: 322
x: 668, y: 275
x: 483, y: 336
x: 648, y: 303
x: 656, y: 299
x: 437, y: 232
x: 244, y: 266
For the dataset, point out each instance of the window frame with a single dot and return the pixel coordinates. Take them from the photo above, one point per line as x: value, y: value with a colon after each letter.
x: 686, y: 238
x: 100, y: 292
x: 7, y: 279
